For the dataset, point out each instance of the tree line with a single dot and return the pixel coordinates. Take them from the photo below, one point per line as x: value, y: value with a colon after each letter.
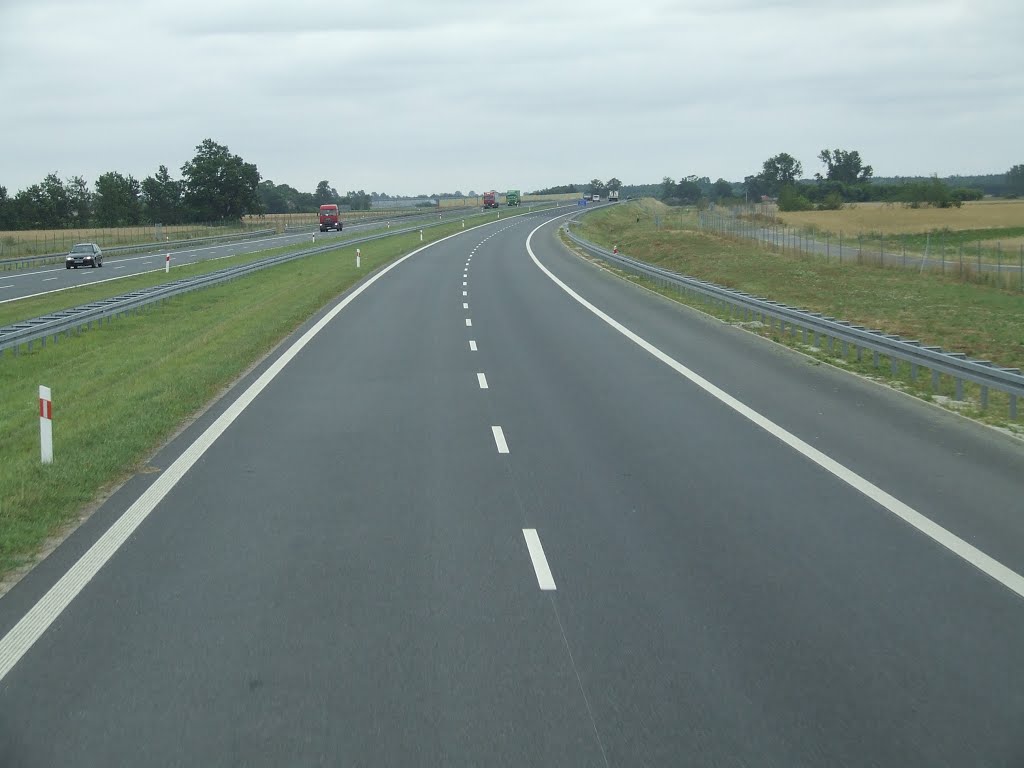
x: 215, y: 186
x: 846, y: 178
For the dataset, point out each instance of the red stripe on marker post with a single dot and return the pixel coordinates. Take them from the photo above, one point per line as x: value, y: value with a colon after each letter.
x: 45, y: 425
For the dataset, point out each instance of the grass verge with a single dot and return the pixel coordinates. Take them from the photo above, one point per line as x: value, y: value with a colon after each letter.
x: 982, y: 321
x: 121, y: 389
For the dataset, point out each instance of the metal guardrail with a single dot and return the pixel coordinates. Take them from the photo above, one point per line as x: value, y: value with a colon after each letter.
x: 25, y: 261
x: 957, y: 365
x: 66, y: 321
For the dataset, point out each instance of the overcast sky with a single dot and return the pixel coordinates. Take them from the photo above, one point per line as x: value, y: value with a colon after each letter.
x: 418, y: 96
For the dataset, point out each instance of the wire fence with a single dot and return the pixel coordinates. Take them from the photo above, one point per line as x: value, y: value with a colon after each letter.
x: 19, y: 244
x: 981, y: 261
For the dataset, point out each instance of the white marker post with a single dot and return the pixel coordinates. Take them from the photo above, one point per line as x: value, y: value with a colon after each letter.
x: 421, y: 235
x: 463, y: 223
x: 314, y: 237
x: 357, y: 258
x: 45, y: 425
x: 167, y: 264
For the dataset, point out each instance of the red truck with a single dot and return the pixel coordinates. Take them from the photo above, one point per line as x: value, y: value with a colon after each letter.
x: 491, y: 199
x: 329, y: 218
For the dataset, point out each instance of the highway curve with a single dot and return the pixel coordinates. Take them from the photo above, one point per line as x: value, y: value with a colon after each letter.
x: 470, y: 521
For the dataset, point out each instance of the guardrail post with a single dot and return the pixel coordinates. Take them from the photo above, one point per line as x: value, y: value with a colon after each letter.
x: 874, y: 358
x: 959, y: 388
x: 1013, y: 407
x: 984, y: 397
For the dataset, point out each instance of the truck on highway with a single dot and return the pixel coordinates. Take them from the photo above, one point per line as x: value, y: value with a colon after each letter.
x: 490, y: 199
x: 512, y: 198
x: 330, y: 218
x: 613, y: 195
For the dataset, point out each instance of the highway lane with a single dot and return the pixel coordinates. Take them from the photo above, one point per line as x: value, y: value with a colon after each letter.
x: 344, y: 576
x: 20, y: 284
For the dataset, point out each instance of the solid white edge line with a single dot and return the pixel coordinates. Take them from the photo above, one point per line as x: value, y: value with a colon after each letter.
x: 35, y: 622
x: 968, y: 552
x: 481, y: 379
x: 540, y: 563
x: 499, y: 439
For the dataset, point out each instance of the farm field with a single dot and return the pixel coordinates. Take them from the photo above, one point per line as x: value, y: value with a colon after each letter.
x: 982, y: 219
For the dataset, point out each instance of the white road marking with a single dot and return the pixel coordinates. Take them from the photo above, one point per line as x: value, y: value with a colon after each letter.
x: 35, y: 622
x: 46, y: 279
x: 472, y: 345
x: 469, y: 323
x: 540, y: 563
x: 120, y: 267
x: 11, y: 286
x: 464, y: 283
x: 983, y: 562
x: 465, y: 305
x: 481, y: 380
x: 499, y: 439
x: 465, y: 293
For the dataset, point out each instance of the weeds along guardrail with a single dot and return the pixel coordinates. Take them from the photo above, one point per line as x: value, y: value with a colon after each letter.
x: 68, y: 321
x: 53, y: 258
x: 830, y: 331
x: 970, y: 262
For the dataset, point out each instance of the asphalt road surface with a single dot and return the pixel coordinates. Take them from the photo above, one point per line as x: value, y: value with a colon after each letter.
x: 465, y: 520
x: 51, y: 278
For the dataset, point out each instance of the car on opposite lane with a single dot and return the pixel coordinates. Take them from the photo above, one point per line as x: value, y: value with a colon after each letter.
x: 83, y: 254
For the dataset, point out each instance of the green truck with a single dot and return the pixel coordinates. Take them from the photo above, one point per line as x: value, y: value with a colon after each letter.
x: 512, y: 198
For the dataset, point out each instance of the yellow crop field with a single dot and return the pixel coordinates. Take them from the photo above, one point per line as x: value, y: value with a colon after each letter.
x: 895, y: 219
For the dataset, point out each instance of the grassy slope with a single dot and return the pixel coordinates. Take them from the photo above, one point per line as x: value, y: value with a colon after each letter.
x: 979, y: 320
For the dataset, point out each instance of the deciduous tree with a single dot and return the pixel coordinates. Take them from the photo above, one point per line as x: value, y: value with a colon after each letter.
x: 117, y: 200
x: 220, y: 186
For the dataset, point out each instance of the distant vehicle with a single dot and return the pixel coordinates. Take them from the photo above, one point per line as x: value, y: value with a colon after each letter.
x: 330, y: 218
x: 613, y: 196
x: 83, y: 254
x: 596, y: 197
x: 512, y: 198
x: 491, y: 199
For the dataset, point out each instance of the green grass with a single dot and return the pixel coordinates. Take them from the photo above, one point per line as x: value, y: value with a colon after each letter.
x: 121, y: 389
x: 982, y: 321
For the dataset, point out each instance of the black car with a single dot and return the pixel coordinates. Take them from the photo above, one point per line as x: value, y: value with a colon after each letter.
x: 84, y: 254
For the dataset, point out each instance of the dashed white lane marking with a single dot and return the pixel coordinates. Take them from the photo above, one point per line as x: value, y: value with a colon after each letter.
x: 469, y: 323
x: 465, y: 305
x: 983, y: 562
x: 465, y: 293
x: 481, y: 380
x: 122, y: 266
x: 35, y: 622
x: 499, y: 439
x: 45, y: 279
x: 6, y: 286
x: 472, y: 345
x: 540, y: 563
x: 464, y: 283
